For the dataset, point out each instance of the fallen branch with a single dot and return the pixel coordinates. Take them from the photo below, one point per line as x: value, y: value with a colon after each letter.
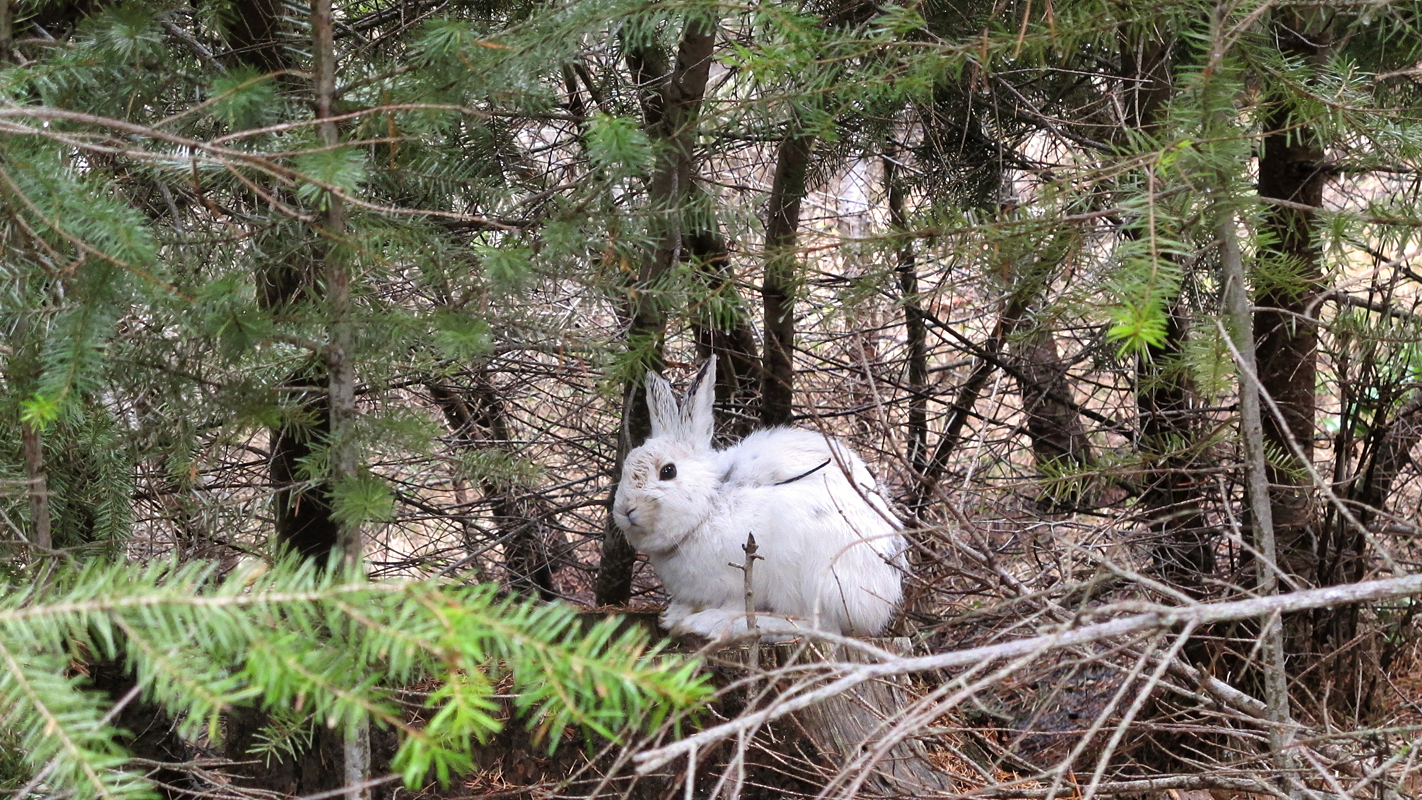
x: 852, y: 675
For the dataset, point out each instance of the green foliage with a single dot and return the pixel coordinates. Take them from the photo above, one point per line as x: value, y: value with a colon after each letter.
x: 13, y: 773
x: 243, y: 98
x: 227, y: 314
x: 340, y: 169
x: 362, y: 499
x: 1137, y: 328
x: 90, y: 469
x: 93, y: 250
x: 287, y: 734
x: 296, y: 637
x: 460, y: 337
x: 506, y: 266
x: 127, y: 32
x: 89, y: 477
x: 618, y: 145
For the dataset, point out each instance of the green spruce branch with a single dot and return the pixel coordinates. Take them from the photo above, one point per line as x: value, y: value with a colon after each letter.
x: 326, y: 644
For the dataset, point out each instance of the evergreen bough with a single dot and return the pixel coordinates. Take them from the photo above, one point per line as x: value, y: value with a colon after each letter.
x: 323, y: 642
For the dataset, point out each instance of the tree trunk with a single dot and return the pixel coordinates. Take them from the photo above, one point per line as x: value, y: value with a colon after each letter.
x: 254, y: 30
x: 302, y: 510
x: 1289, y: 282
x: 915, y: 328
x: 671, y: 110
x: 303, y: 519
x: 340, y: 371
x: 725, y: 331
x: 787, y: 190
x: 24, y: 374
x: 1059, y: 439
x: 7, y: 31
x: 36, y: 487
x: 1031, y: 272
x: 525, y: 522
x: 305, y: 522
x: 1251, y: 432
x: 1181, y: 550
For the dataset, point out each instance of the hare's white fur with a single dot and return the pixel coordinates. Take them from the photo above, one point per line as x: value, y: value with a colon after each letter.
x: 833, y: 554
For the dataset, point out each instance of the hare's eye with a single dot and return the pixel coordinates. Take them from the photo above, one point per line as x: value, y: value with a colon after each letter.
x: 668, y: 472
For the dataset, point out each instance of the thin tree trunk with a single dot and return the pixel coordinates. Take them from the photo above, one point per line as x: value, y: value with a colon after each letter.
x: 1276, y: 692
x: 726, y: 332
x: 672, y: 107
x: 1290, y: 282
x: 304, y: 520
x: 36, y: 487
x: 7, y: 30
x: 787, y: 190
x: 254, y: 31
x: 1285, y: 328
x: 1059, y: 439
x: 340, y: 370
x: 915, y: 328
x: 524, y: 522
x: 24, y: 372
x: 1182, y: 551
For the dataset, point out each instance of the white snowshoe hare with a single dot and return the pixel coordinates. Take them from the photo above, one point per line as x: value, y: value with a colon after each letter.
x: 833, y: 555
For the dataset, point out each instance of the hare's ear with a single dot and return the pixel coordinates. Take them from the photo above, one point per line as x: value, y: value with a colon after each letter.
x: 698, y: 417
x: 666, y: 419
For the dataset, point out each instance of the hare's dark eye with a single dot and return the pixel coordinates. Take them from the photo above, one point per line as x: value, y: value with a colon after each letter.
x: 668, y: 472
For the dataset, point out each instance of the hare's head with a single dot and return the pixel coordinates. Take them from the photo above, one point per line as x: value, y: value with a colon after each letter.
x: 669, y: 484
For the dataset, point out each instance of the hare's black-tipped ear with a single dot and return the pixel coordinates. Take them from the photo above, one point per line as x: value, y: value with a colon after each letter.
x: 661, y: 402
x: 698, y: 413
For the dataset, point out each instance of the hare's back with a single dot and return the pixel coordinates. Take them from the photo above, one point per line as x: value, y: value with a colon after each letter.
x: 781, y: 455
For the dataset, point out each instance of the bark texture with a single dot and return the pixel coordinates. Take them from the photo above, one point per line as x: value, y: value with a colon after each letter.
x: 671, y: 106
x: 526, y: 525
x: 787, y: 190
x: 1058, y: 437
x: 255, y: 30
x: 1182, y: 550
x: 1285, y: 322
x: 725, y: 331
x: 915, y: 326
x: 323, y: 393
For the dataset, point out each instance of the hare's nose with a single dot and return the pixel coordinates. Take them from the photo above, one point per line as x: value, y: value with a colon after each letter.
x: 630, y: 511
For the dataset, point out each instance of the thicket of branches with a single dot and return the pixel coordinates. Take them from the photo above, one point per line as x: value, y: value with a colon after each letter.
x: 1117, y: 298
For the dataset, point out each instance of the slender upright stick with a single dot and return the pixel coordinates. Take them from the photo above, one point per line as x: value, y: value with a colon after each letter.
x: 1237, y: 311
x: 1241, y: 332
x: 1239, y: 319
x: 340, y: 372
x: 747, y: 570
